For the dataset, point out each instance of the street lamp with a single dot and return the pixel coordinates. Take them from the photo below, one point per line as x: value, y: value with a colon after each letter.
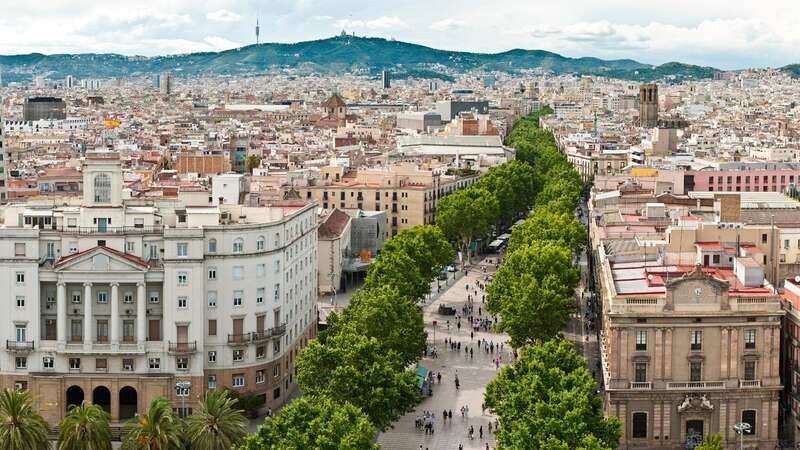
x: 182, y: 390
x: 741, y: 428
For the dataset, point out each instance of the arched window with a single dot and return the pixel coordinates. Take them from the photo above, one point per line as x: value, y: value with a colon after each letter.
x: 238, y: 245
x: 212, y: 246
x: 277, y: 240
x: 260, y: 243
x: 102, y: 188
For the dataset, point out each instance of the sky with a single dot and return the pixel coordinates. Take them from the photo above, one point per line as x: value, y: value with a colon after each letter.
x: 727, y: 34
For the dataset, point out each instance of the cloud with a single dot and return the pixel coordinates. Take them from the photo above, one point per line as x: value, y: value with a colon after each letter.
x: 218, y: 43
x: 447, y: 25
x: 380, y: 23
x: 223, y: 15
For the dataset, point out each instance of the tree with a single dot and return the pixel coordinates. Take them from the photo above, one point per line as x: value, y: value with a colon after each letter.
x: 426, y: 245
x: 546, y: 399
x: 467, y: 214
x: 398, y: 270
x: 355, y: 368
x: 246, y: 402
x: 548, y: 225
x: 314, y: 423
x: 218, y: 424
x: 157, y: 429
x: 85, y: 427
x: 711, y: 442
x: 514, y: 185
x: 251, y: 162
x: 386, y: 315
x: 21, y: 427
x: 532, y: 292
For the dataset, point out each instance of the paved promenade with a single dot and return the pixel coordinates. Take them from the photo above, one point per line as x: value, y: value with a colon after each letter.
x: 473, y: 374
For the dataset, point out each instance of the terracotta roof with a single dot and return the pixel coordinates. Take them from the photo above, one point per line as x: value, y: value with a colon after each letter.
x: 335, y: 101
x: 334, y: 224
x: 69, y: 258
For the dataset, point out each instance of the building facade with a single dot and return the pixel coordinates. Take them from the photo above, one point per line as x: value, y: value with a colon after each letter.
x: 114, y: 300
x: 690, y: 352
x: 648, y: 105
x: 40, y: 108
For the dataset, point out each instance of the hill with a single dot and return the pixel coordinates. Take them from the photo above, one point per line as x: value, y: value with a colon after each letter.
x: 340, y: 54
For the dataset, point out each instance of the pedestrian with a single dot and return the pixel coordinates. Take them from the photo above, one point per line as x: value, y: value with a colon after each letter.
x: 462, y: 411
x: 444, y: 416
x: 460, y: 446
x: 459, y: 345
x: 487, y: 446
x: 470, y: 353
x: 269, y: 412
x: 466, y: 410
x: 471, y: 335
x: 489, y: 426
x: 471, y: 432
x: 457, y: 383
x: 458, y: 325
x: 480, y: 431
x: 439, y: 377
x: 450, y: 414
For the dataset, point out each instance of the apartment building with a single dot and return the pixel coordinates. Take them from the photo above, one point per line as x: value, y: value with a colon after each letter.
x: 114, y: 299
x: 690, y: 351
x: 408, y: 195
x: 790, y: 342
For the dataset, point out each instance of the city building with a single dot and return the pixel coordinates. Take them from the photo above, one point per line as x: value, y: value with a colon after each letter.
x: 38, y: 108
x: 5, y: 158
x: 790, y: 342
x: 386, y: 79
x: 648, y: 105
x: 114, y: 299
x: 450, y: 109
x: 165, y: 83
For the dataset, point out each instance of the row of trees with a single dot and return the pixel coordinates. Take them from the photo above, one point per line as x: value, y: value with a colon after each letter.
x: 217, y: 425
x: 355, y: 378
x: 546, y: 398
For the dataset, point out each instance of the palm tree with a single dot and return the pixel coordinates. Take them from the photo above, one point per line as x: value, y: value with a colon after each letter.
x: 218, y: 425
x: 21, y: 426
x: 85, y: 427
x: 157, y: 429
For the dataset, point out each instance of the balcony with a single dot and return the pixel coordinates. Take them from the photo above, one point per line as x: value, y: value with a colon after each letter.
x: 749, y: 383
x: 239, y: 339
x: 695, y: 385
x: 19, y: 346
x: 261, y: 336
x: 280, y: 330
x: 182, y: 348
x: 641, y: 386
x: 89, y: 231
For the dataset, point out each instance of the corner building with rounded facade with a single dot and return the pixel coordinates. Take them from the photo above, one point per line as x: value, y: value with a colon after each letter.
x: 115, y: 299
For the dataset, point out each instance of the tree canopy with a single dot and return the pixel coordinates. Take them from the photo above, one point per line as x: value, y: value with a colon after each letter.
x: 314, y: 423
x: 467, y: 214
x: 546, y: 399
x: 356, y: 368
x: 426, y: 245
x: 548, y: 225
x: 398, y: 270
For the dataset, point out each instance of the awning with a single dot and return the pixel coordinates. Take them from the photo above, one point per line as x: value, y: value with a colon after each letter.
x: 422, y: 375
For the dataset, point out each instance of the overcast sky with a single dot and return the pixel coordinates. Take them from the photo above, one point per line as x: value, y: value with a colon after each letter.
x: 728, y: 34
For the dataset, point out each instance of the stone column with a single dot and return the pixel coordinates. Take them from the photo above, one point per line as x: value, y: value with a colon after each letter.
x: 87, y: 313
x: 61, y: 311
x: 114, y: 314
x: 141, y: 305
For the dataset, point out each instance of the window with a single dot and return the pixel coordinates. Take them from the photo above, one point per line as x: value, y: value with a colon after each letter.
x: 749, y: 417
x: 641, y: 340
x: 212, y: 356
x: 238, y: 380
x: 182, y: 363
x: 695, y: 371
x: 261, y: 352
x: 183, y: 278
x: 237, y: 298
x: 259, y: 376
x: 238, y: 355
x: 154, y: 363
x: 183, y: 301
x: 51, y: 250
x: 212, y: 299
x: 20, y: 301
x: 183, y: 250
x: 127, y: 364
x: 212, y: 273
x: 238, y: 272
x: 102, y: 297
x: 74, y: 364
x: 640, y: 372
x: 212, y: 246
x: 749, y: 339
x: 47, y: 362
x: 153, y: 298
x: 212, y: 327
x: 276, y: 371
x: 696, y: 340
x: 127, y: 297
x: 238, y: 245
x: 261, y: 270
x: 639, y: 425
x: 130, y: 247
x: 19, y: 249
x: 764, y: 238
x: 212, y: 381
x: 102, y: 188
x: 20, y: 278
x: 101, y: 364
x: 260, y: 296
x: 21, y: 362
x: 276, y: 393
x: 749, y: 370
x: 278, y: 239
x: 277, y: 291
x: 260, y: 243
